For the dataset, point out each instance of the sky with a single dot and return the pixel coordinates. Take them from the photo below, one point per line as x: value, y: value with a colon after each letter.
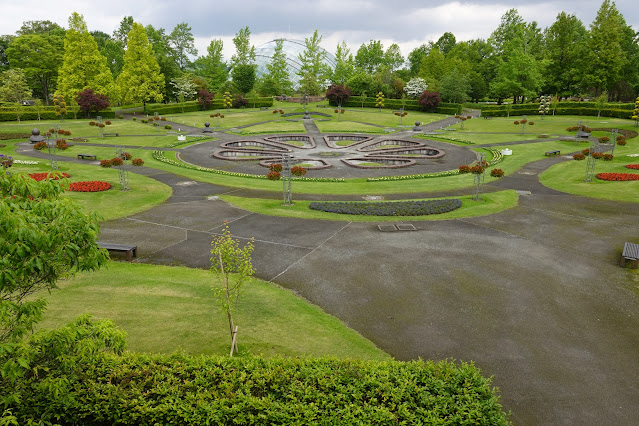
x: 409, y: 23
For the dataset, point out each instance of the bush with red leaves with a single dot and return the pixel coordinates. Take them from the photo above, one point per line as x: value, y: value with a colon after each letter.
x: 89, y: 186
x: 106, y: 163
x: 273, y: 176
x: 618, y: 177
x: 608, y: 157
x: 429, y: 101
x: 40, y: 146
x: 464, y: 169
x: 61, y: 144
x: 116, y: 161
x: 126, y: 156
x: 137, y: 162
x: 298, y: 171
x: 89, y: 102
x: 579, y: 157
x: 276, y: 167
x: 53, y: 176
x: 497, y: 173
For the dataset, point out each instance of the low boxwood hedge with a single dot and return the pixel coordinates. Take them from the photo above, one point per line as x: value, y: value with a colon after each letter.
x: 191, y: 106
x: 388, y: 208
x: 140, y: 389
x: 396, y: 104
x: 563, y: 108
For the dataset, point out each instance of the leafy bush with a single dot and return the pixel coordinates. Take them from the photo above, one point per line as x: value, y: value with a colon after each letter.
x: 108, y: 123
x: 429, y: 101
x: 61, y: 144
x: 497, y: 173
x: 390, y: 208
x: 116, y: 161
x: 126, y: 156
x: 597, y: 155
x: 464, y: 169
x: 121, y: 117
x: 273, y: 175
x: 621, y: 142
x: 275, y: 167
x: 579, y: 156
x: 168, y: 127
x: 40, y: 146
x: 106, y: 163
x: 608, y: 157
x: 298, y: 171
x: 137, y: 162
x: 604, y: 139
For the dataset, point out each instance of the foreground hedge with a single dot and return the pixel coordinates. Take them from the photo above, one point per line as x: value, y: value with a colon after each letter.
x: 179, y: 389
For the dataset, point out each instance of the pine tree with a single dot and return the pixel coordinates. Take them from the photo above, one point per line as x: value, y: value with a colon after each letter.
x: 140, y: 80
x: 83, y: 67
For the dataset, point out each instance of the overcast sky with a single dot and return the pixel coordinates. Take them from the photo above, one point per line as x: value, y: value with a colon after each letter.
x: 409, y: 23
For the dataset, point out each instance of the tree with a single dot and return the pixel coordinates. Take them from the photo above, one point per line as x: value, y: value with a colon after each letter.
x: 211, y: 66
x: 312, y: 71
x: 232, y: 266
x: 14, y: 87
x: 393, y: 58
x: 5, y: 41
x: 244, y: 52
x: 429, y: 101
x: 91, y: 102
x: 83, y: 67
x: 370, y: 56
x: 278, y: 71
x: 183, y: 44
x: 605, y: 57
x: 344, y: 65
x: 140, y: 80
x: 205, y: 98
x: 184, y: 89
x: 415, y: 58
x: 163, y: 55
x: 111, y: 49
x: 362, y: 83
x: 339, y: 94
x: 45, y: 27
x: 40, y: 57
x: 243, y: 78
x: 121, y: 34
x: 415, y: 87
x: 445, y: 43
x: 455, y: 86
x: 600, y: 103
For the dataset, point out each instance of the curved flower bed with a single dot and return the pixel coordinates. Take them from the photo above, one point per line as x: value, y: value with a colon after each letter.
x: 52, y: 176
x: 633, y: 166
x: 618, y: 177
x: 391, y: 208
x: 89, y: 186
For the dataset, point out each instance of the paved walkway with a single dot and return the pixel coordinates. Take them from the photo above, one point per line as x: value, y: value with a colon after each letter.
x: 533, y: 295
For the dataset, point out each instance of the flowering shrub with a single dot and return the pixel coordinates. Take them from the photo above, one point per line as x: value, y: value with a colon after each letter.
x: 53, y: 176
x: 276, y: 167
x: 621, y: 142
x: 108, y: 123
x: 516, y: 123
x: 597, y: 155
x: 101, y: 125
x: 608, y: 157
x: 579, y: 157
x: 531, y: 123
x: 137, y: 162
x: 621, y: 137
x: 61, y: 144
x: 162, y: 119
x: 586, y: 152
x: 40, y: 146
x: 92, y: 123
x: 618, y: 176
x: 89, y: 186
x: 126, y: 156
x: 604, y: 139
x: 298, y: 171
x: 156, y: 117
x: 64, y: 132
x: 391, y: 208
x: 632, y: 166
x: 116, y: 161
x: 468, y: 117
x: 6, y: 161
x: 273, y: 176
x: 106, y: 163
x: 477, y: 169
x: 497, y: 173
x: 464, y: 169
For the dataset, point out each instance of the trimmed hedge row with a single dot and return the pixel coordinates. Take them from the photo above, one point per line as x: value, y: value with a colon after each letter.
x: 396, y: 104
x: 388, y: 208
x: 191, y: 106
x: 47, y: 113
x: 179, y: 389
x: 564, y: 108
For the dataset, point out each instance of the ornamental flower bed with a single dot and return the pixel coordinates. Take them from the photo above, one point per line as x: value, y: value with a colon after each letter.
x: 89, y: 186
x: 632, y: 166
x: 53, y: 176
x: 618, y: 177
x: 391, y: 208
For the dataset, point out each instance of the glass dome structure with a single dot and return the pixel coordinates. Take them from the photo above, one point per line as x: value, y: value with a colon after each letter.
x: 293, y: 49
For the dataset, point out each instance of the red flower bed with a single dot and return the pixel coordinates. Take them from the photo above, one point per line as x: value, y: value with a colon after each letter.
x: 497, y: 173
x: 89, y: 186
x: 273, y: 175
x: 53, y: 176
x: 618, y: 176
x: 298, y: 171
x: 633, y: 166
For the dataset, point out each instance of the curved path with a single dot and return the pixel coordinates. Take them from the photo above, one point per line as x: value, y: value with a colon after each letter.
x: 533, y: 295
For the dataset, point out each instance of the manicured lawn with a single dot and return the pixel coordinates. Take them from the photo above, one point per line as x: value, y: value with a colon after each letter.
x: 164, y: 309
x: 490, y: 203
x: 481, y: 138
x: 553, y: 125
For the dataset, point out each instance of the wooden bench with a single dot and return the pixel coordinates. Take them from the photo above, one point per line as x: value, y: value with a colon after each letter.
x: 87, y: 157
x: 551, y: 153
x: 630, y: 252
x: 129, y: 251
x: 107, y: 135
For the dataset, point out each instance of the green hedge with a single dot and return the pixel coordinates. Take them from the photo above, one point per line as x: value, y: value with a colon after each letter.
x: 563, y: 108
x: 47, y: 113
x: 140, y: 389
x: 396, y: 104
x: 191, y: 106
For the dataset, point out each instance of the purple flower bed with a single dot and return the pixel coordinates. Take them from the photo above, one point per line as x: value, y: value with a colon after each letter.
x: 389, y: 208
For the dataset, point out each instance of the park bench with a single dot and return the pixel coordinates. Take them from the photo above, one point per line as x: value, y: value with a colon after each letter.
x: 129, y: 251
x: 488, y: 117
x: 263, y: 108
x: 106, y: 135
x: 551, y: 153
x: 87, y: 157
x: 630, y: 252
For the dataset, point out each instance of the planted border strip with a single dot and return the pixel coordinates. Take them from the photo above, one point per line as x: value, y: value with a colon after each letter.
x: 389, y: 208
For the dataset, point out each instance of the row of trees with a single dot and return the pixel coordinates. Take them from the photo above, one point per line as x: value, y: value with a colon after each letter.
x: 139, y: 64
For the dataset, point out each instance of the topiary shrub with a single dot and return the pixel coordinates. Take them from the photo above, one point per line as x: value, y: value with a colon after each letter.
x: 40, y: 146
x: 275, y: 167
x: 137, y: 162
x: 106, y: 163
x: 497, y: 173
x: 273, y: 176
x: 298, y: 171
x: 464, y: 169
x: 579, y: 157
x: 168, y: 127
x: 116, y: 161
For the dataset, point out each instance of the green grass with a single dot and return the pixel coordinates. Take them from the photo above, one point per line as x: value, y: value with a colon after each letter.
x: 345, y: 142
x: 275, y: 127
x: 553, y: 125
x: 164, y: 309
x: 490, y: 203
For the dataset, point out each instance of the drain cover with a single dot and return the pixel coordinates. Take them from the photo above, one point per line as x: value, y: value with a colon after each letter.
x: 186, y: 183
x: 406, y: 227
x: 387, y: 228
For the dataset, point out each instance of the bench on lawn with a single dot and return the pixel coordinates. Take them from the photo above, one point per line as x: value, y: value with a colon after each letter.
x: 263, y: 108
x: 551, y: 153
x: 130, y: 251
x: 630, y: 252
x: 107, y: 135
x: 488, y: 117
x: 87, y: 157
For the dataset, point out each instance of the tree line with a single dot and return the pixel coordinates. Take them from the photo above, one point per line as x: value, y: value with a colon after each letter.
x: 139, y: 64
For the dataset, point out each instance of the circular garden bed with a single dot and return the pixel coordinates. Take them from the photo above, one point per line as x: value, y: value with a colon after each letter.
x: 390, y: 208
x: 89, y: 186
x: 617, y: 177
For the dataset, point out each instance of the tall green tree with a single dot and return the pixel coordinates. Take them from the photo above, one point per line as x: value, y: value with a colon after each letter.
x: 605, y: 57
x: 13, y: 86
x: 244, y: 51
x: 212, y: 66
x: 40, y: 56
x: 344, y: 64
x: 183, y: 44
x: 121, y: 34
x: 277, y: 77
x: 112, y: 50
x: 313, y: 71
x: 5, y: 41
x: 445, y: 43
x: 415, y: 58
x: 140, y: 80
x: 393, y: 58
x: 370, y: 56
x: 454, y: 86
x: 243, y: 78
x: 163, y: 55
x: 83, y: 67
x: 45, y: 27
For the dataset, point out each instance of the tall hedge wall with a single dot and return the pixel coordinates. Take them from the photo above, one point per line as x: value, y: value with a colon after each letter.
x: 396, y: 104
x: 190, y: 106
x: 146, y: 390
x: 563, y: 108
